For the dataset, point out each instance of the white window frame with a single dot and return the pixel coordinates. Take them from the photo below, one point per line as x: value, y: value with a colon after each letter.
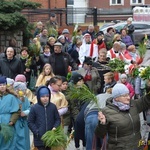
x: 143, y: 2
x: 111, y: 4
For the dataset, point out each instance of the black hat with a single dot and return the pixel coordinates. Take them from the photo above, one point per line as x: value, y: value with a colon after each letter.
x: 52, y: 14
x: 110, y: 28
x: 100, y: 33
x: 88, y: 60
x: 77, y: 77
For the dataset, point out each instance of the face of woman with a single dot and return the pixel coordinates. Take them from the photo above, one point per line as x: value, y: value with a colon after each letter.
x: 56, y: 86
x: 123, y: 80
x: 124, y: 99
x: 24, y: 53
x: 46, y: 50
x: 51, y: 42
x: 87, y: 67
x: 3, y: 88
x: 124, y: 32
x: 47, y: 70
x: 64, y: 86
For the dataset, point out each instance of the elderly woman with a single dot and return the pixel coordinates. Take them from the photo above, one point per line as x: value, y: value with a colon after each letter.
x: 51, y: 41
x: 120, y: 119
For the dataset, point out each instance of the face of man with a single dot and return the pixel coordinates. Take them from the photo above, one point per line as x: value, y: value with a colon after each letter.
x: 57, y: 49
x: 44, y: 32
x: 10, y: 53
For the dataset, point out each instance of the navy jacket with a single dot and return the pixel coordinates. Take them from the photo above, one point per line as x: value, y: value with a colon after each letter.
x: 42, y: 118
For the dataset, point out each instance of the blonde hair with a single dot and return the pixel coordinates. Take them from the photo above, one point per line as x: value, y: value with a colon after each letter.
x: 51, y: 72
x: 51, y: 38
x: 109, y: 75
x: 115, y: 37
x: 109, y: 91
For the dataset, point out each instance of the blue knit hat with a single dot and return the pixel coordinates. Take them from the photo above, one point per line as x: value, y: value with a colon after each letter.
x: 43, y: 91
x: 3, y: 80
x: 119, y: 89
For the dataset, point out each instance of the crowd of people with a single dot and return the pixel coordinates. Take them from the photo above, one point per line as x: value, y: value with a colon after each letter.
x: 65, y: 61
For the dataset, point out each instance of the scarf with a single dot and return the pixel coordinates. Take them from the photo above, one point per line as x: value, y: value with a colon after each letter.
x: 121, y: 106
x: 47, y: 54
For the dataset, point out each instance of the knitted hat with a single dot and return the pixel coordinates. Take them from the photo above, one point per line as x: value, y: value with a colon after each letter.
x: 65, y: 31
x: 61, y: 37
x: 20, y: 78
x: 63, y: 79
x: 88, y: 60
x: 10, y: 81
x: 77, y: 77
x: 43, y: 91
x: 119, y: 89
x: 19, y: 86
x: 123, y: 76
x: 3, y: 80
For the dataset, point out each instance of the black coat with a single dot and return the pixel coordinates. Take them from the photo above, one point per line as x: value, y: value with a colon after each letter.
x: 10, y: 68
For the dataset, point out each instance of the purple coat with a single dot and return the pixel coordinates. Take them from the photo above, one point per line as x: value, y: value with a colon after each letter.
x: 127, y: 40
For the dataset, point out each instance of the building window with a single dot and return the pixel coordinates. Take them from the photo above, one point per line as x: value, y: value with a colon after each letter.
x: 70, y: 2
x: 136, y: 2
x: 116, y: 2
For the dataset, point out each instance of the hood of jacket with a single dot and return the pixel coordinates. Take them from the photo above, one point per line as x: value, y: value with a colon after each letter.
x: 38, y: 95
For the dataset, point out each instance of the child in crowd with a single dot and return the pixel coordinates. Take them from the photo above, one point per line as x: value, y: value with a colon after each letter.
x: 57, y: 97
x: 109, y: 81
x: 67, y: 115
x: 123, y: 79
x: 43, y: 117
x: 9, y: 109
x: 46, y: 75
x: 29, y: 94
x: 22, y: 130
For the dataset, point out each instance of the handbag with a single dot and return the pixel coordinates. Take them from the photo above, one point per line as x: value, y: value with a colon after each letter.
x: 32, y: 81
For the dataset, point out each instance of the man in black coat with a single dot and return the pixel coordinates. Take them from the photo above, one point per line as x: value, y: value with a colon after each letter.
x: 10, y: 66
x: 60, y: 61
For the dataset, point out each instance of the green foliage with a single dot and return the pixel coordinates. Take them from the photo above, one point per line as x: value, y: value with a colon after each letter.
x: 6, y: 132
x: 10, y: 14
x: 55, y: 138
x: 145, y: 73
x: 142, y: 49
x: 81, y: 93
x: 116, y: 65
x: 12, y: 21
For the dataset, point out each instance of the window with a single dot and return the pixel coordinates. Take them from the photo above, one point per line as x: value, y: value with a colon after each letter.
x: 116, y: 2
x: 70, y: 2
x: 135, y: 2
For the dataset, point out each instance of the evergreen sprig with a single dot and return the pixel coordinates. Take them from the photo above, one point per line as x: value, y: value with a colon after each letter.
x: 142, y: 49
x: 55, y: 138
x: 6, y: 132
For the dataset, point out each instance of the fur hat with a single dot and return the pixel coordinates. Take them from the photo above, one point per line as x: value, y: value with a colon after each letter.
x: 20, y: 78
x: 3, y: 80
x: 19, y: 86
x: 119, y: 89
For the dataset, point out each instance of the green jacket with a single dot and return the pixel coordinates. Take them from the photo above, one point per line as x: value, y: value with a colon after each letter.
x: 123, y: 127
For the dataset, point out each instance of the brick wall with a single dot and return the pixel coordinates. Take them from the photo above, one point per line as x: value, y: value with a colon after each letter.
x: 5, y: 39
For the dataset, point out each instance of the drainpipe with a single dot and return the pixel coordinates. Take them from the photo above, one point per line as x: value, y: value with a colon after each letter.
x: 49, y: 7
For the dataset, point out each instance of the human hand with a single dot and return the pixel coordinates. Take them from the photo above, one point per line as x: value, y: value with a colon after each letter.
x: 22, y: 114
x: 27, y: 70
x: 101, y: 118
x: 11, y: 123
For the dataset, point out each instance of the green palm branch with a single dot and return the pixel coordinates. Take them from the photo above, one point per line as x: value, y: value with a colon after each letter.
x: 142, y: 49
x: 6, y: 132
x: 55, y: 138
x: 82, y: 93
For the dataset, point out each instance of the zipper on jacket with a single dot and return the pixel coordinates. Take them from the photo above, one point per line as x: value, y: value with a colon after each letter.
x: 116, y: 134
x: 132, y: 123
x: 45, y: 117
